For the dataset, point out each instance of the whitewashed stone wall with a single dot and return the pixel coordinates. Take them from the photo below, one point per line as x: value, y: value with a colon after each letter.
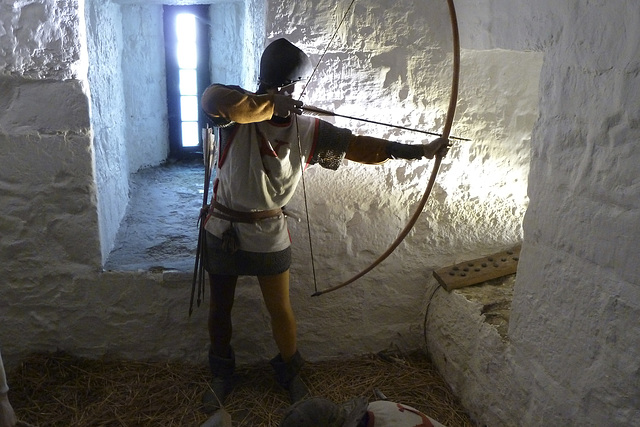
x: 104, y: 39
x: 573, y: 349
x: 227, y: 33
x: 128, y: 93
x: 572, y: 356
x: 579, y: 290
x: 49, y: 223
x: 144, y: 86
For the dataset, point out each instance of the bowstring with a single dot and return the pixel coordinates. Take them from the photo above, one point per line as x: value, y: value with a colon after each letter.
x: 306, y: 207
x: 304, y: 184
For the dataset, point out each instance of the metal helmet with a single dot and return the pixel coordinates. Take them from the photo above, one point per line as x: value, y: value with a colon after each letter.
x: 282, y: 63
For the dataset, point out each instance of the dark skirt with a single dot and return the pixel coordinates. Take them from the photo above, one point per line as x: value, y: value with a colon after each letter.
x: 243, y: 263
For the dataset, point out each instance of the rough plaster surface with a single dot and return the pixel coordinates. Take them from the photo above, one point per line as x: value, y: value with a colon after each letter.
x: 473, y: 357
x: 144, y: 86
x: 584, y: 291
x: 104, y: 40
x: 571, y: 356
x: 40, y: 40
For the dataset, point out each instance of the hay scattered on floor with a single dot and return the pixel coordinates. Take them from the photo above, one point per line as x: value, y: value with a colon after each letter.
x: 57, y: 389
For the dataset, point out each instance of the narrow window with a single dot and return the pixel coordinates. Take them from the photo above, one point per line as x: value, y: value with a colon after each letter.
x: 187, y: 57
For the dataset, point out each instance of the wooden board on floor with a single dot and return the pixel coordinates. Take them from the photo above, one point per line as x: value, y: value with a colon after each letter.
x: 478, y: 270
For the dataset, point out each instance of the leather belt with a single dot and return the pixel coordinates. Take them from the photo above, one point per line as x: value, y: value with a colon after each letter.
x: 228, y: 214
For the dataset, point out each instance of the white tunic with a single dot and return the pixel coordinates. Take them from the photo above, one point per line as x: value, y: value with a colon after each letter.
x: 259, y: 167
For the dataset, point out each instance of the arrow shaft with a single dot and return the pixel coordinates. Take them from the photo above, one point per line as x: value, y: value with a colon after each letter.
x: 331, y: 113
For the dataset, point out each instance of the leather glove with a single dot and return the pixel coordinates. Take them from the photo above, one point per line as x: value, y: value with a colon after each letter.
x: 396, y: 150
x: 438, y: 147
x: 284, y: 106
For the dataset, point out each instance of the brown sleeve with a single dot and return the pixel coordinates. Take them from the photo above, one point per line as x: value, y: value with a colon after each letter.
x: 367, y: 150
x: 236, y: 105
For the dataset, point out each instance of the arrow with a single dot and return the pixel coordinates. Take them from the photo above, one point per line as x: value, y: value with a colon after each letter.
x: 317, y: 110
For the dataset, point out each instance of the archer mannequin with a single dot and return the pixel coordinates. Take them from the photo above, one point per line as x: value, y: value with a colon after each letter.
x: 264, y: 146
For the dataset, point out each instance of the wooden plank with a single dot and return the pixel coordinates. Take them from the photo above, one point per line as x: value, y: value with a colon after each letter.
x: 478, y: 270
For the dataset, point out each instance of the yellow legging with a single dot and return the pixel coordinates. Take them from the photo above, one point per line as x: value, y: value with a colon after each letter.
x: 275, y: 293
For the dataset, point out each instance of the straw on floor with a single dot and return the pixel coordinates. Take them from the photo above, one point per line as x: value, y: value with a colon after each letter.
x: 58, y: 389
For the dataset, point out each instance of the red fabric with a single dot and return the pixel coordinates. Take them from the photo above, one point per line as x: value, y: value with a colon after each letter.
x: 371, y: 418
x: 425, y: 421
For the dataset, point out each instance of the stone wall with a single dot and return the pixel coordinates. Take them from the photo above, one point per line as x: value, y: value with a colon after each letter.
x: 576, y: 340
x: 144, y: 86
x: 108, y: 124
x: 572, y: 351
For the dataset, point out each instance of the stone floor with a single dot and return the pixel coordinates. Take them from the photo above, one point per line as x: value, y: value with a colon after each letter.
x: 160, y: 229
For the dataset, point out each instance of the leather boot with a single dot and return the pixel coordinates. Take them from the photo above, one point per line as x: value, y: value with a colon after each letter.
x: 287, y: 375
x: 222, y: 370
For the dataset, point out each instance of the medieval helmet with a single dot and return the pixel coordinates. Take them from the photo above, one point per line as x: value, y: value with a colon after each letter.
x: 282, y: 63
